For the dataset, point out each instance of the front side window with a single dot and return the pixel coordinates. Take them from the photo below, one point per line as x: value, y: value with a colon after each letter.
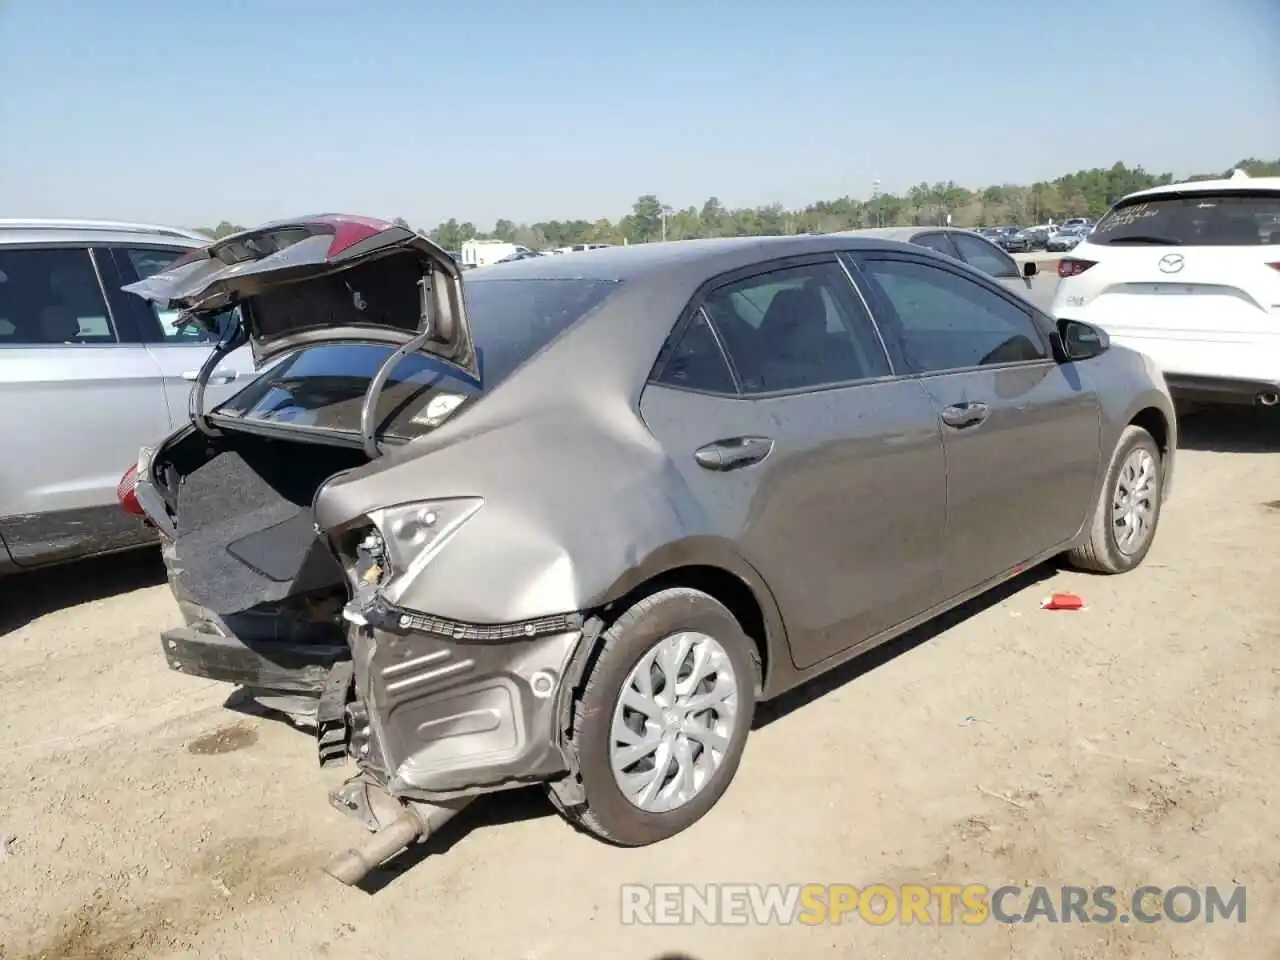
x: 1207, y: 219
x: 944, y: 321
x: 985, y: 257
x: 51, y: 297
x: 796, y: 328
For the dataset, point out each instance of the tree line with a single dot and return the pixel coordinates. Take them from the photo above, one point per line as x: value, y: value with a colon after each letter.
x: 1085, y: 193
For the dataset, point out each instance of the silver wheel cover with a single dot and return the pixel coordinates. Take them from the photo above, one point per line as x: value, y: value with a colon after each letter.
x: 1133, y: 502
x: 677, y: 713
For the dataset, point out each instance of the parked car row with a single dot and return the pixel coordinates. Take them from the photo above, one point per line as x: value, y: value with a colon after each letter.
x: 1044, y: 237
x: 1067, y: 238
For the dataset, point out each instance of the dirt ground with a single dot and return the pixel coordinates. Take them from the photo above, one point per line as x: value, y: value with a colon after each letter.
x: 1137, y: 741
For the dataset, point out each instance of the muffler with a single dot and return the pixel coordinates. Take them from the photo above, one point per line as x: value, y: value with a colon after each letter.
x: 1268, y: 399
x: 396, y: 825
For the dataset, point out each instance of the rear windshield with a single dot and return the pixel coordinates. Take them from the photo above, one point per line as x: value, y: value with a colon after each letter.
x: 1226, y: 219
x: 323, y: 386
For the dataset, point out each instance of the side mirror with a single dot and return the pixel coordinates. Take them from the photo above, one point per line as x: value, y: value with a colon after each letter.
x: 1030, y: 269
x: 1082, y: 341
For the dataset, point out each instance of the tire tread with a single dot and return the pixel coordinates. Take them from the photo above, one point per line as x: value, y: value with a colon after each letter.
x: 581, y: 816
x: 1094, y: 554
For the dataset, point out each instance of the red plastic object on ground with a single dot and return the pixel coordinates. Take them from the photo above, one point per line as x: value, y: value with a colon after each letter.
x: 1063, y: 601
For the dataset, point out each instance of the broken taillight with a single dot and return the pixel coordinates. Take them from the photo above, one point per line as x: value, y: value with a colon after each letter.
x: 1073, y: 267
x: 126, y: 492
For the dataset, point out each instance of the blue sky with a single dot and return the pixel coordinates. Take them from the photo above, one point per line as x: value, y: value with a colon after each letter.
x: 194, y: 112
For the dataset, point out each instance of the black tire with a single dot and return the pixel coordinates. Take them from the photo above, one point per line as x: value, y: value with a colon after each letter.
x: 606, y: 812
x: 1100, y: 553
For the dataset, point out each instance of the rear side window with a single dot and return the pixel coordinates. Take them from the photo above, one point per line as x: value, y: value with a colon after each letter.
x: 1224, y: 219
x: 51, y: 297
x: 696, y: 362
x: 796, y: 328
x: 145, y: 261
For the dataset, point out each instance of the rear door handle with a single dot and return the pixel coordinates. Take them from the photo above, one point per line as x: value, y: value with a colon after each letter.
x: 218, y: 376
x: 960, y: 415
x: 732, y: 454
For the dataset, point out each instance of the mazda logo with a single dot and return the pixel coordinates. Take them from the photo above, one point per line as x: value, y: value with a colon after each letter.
x: 1171, y: 263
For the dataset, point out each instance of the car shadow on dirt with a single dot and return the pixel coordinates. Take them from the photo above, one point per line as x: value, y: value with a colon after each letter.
x: 25, y: 597
x: 1231, y: 430
x: 820, y: 686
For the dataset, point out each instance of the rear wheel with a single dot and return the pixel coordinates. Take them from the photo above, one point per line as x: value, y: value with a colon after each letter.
x: 663, y: 718
x: 1128, y: 509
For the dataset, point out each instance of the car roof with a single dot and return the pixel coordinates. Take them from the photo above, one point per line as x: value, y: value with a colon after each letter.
x: 48, y: 230
x: 903, y: 234
x: 707, y: 256
x: 1265, y: 184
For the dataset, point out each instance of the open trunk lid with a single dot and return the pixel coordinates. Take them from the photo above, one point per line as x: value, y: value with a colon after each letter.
x: 323, y: 279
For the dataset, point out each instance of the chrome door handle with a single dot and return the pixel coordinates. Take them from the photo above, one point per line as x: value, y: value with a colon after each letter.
x: 218, y: 376
x: 960, y: 415
x: 731, y: 454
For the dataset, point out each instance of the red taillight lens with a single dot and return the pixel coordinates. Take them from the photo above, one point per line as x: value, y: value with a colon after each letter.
x: 1071, y: 267
x: 126, y: 492
x: 1274, y: 266
x: 348, y: 231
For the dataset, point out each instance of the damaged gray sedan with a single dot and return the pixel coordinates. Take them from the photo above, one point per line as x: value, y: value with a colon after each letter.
x: 571, y: 526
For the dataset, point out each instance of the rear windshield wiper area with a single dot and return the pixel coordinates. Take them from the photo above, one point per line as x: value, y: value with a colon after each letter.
x: 1142, y: 238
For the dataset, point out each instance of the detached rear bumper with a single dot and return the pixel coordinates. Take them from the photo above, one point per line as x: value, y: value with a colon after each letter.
x: 273, y: 666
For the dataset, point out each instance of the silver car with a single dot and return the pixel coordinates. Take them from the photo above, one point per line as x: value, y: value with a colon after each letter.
x: 572, y: 526
x: 967, y: 246
x: 87, y: 374
x: 1067, y: 238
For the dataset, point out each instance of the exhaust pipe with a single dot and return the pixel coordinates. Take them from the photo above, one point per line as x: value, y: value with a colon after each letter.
x: 1268, y: 399
x: 415, y: 823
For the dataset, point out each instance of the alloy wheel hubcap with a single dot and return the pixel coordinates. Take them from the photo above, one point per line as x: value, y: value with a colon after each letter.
x: 673, y: 723
x: 1133, y: 506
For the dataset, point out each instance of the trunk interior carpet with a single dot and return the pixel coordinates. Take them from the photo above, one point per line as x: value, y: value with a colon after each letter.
x: 246, y: 535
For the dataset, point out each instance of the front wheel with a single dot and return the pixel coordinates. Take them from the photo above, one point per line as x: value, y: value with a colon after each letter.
x: 1128, y: 509
x: 663, y: 718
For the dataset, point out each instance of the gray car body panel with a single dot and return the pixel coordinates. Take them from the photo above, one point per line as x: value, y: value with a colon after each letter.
x: 844, y: 536
x: 582, y: 501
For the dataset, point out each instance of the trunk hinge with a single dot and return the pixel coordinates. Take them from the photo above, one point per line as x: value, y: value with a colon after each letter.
x: 195, y: 401
x: 369, y: 410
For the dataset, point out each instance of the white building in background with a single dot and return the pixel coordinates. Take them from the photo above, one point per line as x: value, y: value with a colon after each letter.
x: 481, y: 253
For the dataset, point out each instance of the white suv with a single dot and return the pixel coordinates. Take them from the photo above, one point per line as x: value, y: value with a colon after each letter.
x: 1188, y: 274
